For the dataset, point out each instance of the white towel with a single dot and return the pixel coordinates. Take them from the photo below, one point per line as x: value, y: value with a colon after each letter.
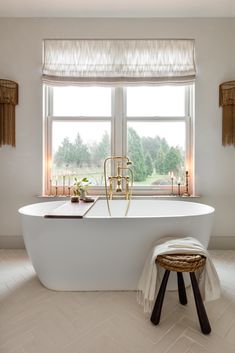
x: 208, y: 279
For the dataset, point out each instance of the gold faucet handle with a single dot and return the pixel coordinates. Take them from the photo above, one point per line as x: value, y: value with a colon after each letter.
x: 119, y: 184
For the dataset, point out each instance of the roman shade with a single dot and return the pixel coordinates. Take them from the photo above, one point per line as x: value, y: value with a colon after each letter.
x: 118, y: 61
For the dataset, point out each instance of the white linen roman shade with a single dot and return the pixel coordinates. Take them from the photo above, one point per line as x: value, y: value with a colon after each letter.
x: 118, y: 61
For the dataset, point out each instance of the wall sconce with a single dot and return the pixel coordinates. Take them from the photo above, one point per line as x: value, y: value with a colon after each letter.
x: 227, y: 102
x: 8, y: 101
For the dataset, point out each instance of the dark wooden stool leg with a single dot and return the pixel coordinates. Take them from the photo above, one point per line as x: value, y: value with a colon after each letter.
x: 181, y: 289
x: 201, y: 311
x: 156, y: 314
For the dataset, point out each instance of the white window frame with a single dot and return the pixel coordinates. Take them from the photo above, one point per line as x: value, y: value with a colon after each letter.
x: 119, y: 120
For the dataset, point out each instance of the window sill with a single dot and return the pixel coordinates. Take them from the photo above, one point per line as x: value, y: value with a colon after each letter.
x: 102, y: 197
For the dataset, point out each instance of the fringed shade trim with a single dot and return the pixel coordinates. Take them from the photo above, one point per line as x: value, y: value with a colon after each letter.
x: 8, y: 101
x: 227, y: 102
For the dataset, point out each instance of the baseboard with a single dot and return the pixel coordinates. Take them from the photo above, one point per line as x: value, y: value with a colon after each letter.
x: 216, y: 243
x: 11, y: 242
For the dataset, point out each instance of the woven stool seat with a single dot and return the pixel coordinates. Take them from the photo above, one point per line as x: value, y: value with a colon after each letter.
x: 181, y: 262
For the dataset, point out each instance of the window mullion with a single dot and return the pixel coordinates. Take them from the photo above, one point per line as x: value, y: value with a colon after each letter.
x: 48, y: 133
x: 187, y: 127
x: 124, y: 123
x: 50, y: 101
x: 191, y: 138
x: 156, y: 118
x: 118, y: 121
x: 80, y: 118
x: 48, y: 111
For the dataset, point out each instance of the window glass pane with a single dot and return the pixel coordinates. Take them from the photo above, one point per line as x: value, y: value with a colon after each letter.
x: 156, y: 101
x: 78, y: 150
x: 157, y: 149
x: 81, y: 101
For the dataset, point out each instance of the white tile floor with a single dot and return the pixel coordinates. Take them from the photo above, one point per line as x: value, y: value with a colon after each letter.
x: 34, y: 319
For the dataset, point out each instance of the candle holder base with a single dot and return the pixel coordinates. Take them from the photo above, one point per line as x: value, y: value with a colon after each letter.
x: 74, y: 198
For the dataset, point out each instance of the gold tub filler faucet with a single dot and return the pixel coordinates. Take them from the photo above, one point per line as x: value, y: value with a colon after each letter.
x: 118, y: 184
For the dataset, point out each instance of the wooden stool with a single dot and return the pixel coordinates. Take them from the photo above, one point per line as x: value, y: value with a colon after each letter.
x: 181, y: 263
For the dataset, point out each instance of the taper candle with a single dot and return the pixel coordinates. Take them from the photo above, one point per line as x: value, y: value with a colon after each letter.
x: 63, y: 185
x: 179, y: 193
x: 50, y: 191
x: 172, y: 182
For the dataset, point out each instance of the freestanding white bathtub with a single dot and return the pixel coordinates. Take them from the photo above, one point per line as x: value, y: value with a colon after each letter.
x: 99, y: 252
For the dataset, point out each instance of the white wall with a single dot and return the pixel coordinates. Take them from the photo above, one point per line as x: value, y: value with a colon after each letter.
x: 20, y: 60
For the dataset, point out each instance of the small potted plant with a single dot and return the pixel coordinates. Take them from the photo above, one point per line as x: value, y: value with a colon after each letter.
x: 79, y: 189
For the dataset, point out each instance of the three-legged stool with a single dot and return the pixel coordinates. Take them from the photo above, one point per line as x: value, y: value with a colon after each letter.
x: 181, y: 263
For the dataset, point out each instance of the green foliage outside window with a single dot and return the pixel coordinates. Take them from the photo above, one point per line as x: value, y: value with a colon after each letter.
x: 149, y: 155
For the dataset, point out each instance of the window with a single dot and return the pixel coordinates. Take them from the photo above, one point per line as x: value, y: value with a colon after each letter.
x: 151, y: 124
x: 121, y: 97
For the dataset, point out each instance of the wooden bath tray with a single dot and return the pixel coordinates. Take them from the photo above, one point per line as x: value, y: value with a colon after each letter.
x: 71, y: 210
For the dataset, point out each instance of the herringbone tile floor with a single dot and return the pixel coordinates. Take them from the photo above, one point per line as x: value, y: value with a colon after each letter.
x: 34, y: 319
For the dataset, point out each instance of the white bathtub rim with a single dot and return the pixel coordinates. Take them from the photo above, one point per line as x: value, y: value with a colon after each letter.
x: 207, y: 210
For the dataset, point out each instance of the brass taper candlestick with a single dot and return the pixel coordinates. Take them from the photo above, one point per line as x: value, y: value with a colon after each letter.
x: 186, y: 193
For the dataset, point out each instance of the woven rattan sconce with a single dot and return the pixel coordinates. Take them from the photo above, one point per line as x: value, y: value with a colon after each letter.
x: 8, y: 101
x: 227, y: 102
